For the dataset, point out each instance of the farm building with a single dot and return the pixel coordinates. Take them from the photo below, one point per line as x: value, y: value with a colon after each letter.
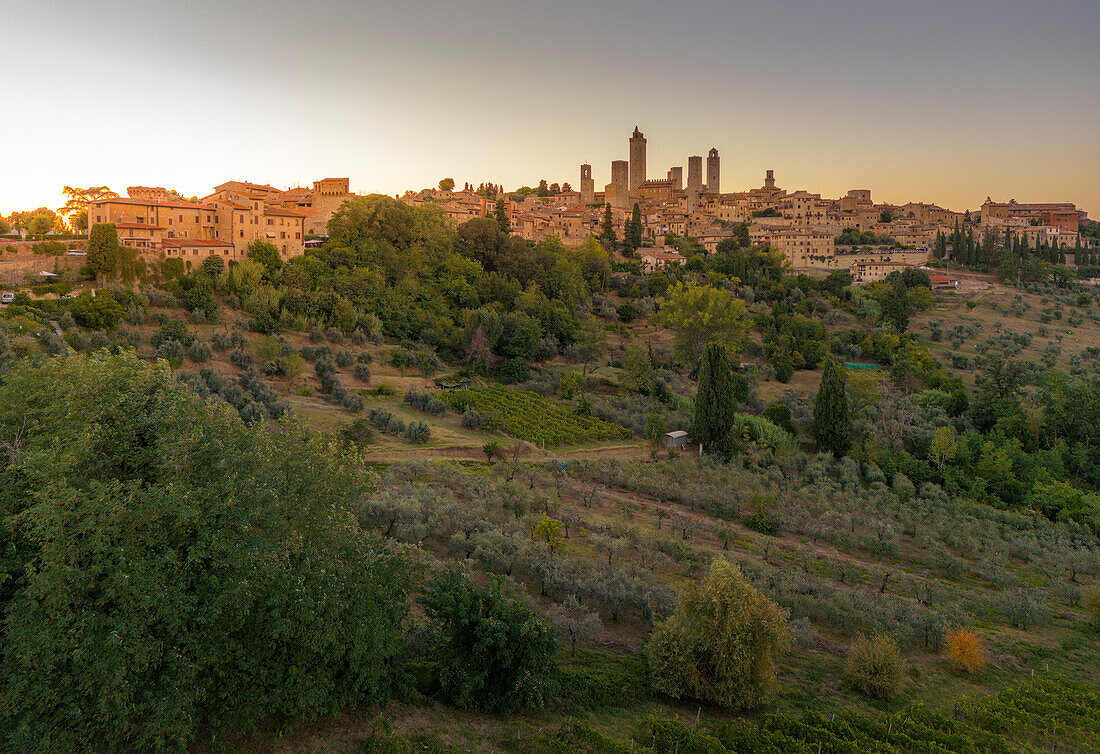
x: 676, y: 439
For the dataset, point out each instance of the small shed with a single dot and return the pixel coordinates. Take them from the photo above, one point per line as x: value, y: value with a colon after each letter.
x: 676, y: 439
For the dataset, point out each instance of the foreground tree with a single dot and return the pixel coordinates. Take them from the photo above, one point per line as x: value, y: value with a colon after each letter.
x: 715, y: 401
x: 168, y: 568
x: 832, y: 423
x: 493, y: 652
x: 721, y: 644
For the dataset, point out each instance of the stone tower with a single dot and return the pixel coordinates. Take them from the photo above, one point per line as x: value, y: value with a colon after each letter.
x: 714, y: 178
x: 617, y: 193
x: 637, y: 160
x: 695, y: 175
x: 676, y: 175
x: 769, y: 179
x: 588, y: 188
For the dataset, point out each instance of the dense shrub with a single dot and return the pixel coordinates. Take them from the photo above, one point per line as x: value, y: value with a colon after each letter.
x: 875, y: 667
x: 492, y: 651
x: 964, y: 650
x: 721, y: 643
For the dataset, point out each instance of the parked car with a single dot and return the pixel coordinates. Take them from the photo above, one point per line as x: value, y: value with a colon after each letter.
x: 7, y: 297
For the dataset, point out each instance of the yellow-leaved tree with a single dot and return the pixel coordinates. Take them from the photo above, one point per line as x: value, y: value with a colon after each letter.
x: 721, y: 644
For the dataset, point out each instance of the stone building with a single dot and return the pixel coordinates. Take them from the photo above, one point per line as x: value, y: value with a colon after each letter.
x: 588, y: 187
x: 637, y: 160
x: 714, y: 178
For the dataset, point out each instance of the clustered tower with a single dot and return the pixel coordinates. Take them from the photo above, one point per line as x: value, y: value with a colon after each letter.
x: 628, y: 177
x: 713, y: 172
x: 588, y: 188
x: 637, y: 160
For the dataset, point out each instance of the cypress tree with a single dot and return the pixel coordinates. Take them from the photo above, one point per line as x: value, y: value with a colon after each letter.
x: 607, y: 234
x: 502, y: 217
x: 832, y: 425
x: 632, y: 238
x: 715, y: 403
x: 103, y: 248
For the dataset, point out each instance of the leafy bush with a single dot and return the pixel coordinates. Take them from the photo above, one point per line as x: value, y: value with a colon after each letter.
x: 240, y: 359
x: 875, y: 667
x: 199, y: 352
x: 492, y: 651
x: 964, y: 650
x: 362, y: 372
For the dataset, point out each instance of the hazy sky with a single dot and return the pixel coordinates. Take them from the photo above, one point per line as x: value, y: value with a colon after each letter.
x: 927, y: 100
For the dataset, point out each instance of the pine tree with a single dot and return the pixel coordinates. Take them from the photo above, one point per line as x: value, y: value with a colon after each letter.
x: 832, y: 424
x: 502, y: 217
x: 715, y: 403
x: 608, y: 239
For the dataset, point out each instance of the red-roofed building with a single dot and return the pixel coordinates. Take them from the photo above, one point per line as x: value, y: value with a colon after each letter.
x: 236, y: 215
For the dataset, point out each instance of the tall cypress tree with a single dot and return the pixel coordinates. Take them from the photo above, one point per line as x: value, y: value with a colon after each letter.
x: 502, y: 217
x: 715, y: 403
x: 832, y: 424
x: 607, y: 234
x: 632, y: 238
x: 103, y: 248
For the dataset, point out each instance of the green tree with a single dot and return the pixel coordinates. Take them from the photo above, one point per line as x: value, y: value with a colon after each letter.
x: 501, y: 215
x: 591, y: 342
x: 493, y: 652
x: 608, y: 239
x: 549, y: 530
x: 638, y: 374
x: 574, y: 621
x: 715, y: 404
x: 267, y: 254
x: 632, y: 237
x: 896, y: 306
x: 99, y: 312
x: 372, y: 219
x: 700, y: 315
x: 168, y: 567
x: 103, y: 248
x: 447, y: 184
x: 213, y: 266
x: 832, y: 424
x: 721, y: 644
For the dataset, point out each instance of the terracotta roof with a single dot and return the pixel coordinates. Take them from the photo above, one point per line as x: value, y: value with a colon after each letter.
x: 143, y: 203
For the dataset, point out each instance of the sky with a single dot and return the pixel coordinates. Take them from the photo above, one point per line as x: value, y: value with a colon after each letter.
x: 945, y: 101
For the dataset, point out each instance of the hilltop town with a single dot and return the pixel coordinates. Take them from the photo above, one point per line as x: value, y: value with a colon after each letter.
x: 816, y: 235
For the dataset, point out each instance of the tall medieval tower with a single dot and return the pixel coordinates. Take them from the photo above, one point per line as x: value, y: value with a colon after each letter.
x: 588, y: 188
x: 637, y: 160
x: 714, y: 179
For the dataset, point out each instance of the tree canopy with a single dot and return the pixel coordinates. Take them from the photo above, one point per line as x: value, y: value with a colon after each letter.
x: 699, y: 314
x: 166, y: 566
